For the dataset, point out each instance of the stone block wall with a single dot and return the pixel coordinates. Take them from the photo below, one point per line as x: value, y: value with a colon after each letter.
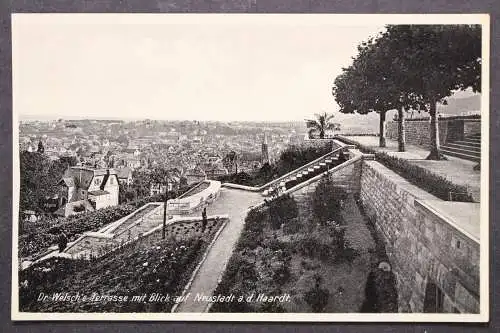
x: 418, y: 131
x: 472, y: 127
x: 423, y: 248
x: 348, y: 177
x: 316, y: 143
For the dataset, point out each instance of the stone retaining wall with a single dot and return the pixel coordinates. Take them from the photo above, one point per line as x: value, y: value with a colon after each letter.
x: 472, y: 127
x: 418, y: 131
x: 180, y: 228
x: 348, y: 177
x: 423, y: 248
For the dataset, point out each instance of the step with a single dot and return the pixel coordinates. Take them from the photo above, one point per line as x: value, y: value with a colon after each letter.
x: 328, y: 160
x: 317, y: 167
x: 323, y: 164
x: 463, y: 146
x: 462, y: 151
x: 475, y: 144
x: 474, y: 140
x: 460, y: 155
x: 310, y: 169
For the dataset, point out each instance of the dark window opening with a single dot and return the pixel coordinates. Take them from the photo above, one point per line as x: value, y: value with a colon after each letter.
x: 434, y: 298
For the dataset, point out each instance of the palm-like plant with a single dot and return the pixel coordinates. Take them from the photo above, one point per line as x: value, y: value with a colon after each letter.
x: 321, y: 124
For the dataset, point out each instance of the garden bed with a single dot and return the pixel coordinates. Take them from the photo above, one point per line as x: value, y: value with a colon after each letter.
x: 136, y: 216
x: 150, y: 265
x: 321, y: 260
x: 36, y: 240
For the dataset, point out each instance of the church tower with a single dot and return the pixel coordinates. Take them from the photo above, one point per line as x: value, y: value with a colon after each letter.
x: 265, y: 151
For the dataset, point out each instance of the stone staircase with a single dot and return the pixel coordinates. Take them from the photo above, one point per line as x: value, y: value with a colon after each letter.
x: 469, y: 148
x: 304, y: 173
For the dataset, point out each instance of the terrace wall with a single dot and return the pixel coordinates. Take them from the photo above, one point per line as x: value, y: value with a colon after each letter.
x: 418, y: 131
x: 423, y: 248
x: 348, y: 177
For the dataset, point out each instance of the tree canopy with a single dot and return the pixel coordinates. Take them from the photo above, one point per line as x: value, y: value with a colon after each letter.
x: 321, y: 124
x: 39, y: 179
x: 411, y: 66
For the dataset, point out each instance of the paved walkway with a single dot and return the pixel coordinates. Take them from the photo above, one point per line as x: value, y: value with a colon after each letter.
x: 235, y: 203
x: 457, y: 170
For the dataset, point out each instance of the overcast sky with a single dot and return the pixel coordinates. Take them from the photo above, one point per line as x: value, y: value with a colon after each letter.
x: 167, y: 68
x: 196, y: 67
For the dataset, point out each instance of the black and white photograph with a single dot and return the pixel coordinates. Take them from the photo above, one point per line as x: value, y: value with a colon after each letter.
x: 286, y: 167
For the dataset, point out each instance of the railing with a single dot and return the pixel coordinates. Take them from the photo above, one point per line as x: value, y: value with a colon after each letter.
x: 289, y: 174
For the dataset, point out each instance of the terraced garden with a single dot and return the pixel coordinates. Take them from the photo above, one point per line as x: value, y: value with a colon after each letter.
x: 150, y: 265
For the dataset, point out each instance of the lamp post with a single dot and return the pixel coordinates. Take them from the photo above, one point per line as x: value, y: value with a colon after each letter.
x: 163, y: 231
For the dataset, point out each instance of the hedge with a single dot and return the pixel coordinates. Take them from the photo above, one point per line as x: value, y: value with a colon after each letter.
x: 426, y: 180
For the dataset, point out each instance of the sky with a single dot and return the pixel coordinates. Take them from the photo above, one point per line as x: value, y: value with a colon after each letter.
x: 179, y: 67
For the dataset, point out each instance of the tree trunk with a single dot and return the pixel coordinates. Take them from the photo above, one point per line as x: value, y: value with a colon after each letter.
x: 322, y: 134
x: 401, y: 129
x: 434, y: 133
x: 382, y: 129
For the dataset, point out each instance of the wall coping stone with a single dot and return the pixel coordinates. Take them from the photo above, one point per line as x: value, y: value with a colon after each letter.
x: 401, y: 182
x: 446, y: 211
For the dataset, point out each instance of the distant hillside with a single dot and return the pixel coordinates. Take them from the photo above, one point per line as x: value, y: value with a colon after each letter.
x: 458, y: 106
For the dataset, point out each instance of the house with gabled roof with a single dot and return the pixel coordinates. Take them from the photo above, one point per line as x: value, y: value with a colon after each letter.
x: 86, y: 189
x: 125, y: 176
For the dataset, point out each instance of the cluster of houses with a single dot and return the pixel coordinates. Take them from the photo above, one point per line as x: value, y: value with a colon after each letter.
x: 85, y: 188
x: 103, y: 163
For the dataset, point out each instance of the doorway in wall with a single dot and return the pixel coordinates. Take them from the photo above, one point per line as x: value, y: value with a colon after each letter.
x: 434, y: 298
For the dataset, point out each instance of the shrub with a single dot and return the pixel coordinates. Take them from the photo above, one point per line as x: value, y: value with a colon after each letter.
x: 281, y: 210
x: 252, y: 236
x: 292, y: 226
x: 250, y: 240
x: 294, y: 157
x: 317, y: 297
x: 254, y: 220
x: 282, y: 274
x: 327, y: 201
x: 313, y: 247
x: 238, y: 278
x: 322, y: 245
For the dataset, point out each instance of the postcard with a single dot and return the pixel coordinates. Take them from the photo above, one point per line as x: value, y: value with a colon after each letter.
x: 222, y: 167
